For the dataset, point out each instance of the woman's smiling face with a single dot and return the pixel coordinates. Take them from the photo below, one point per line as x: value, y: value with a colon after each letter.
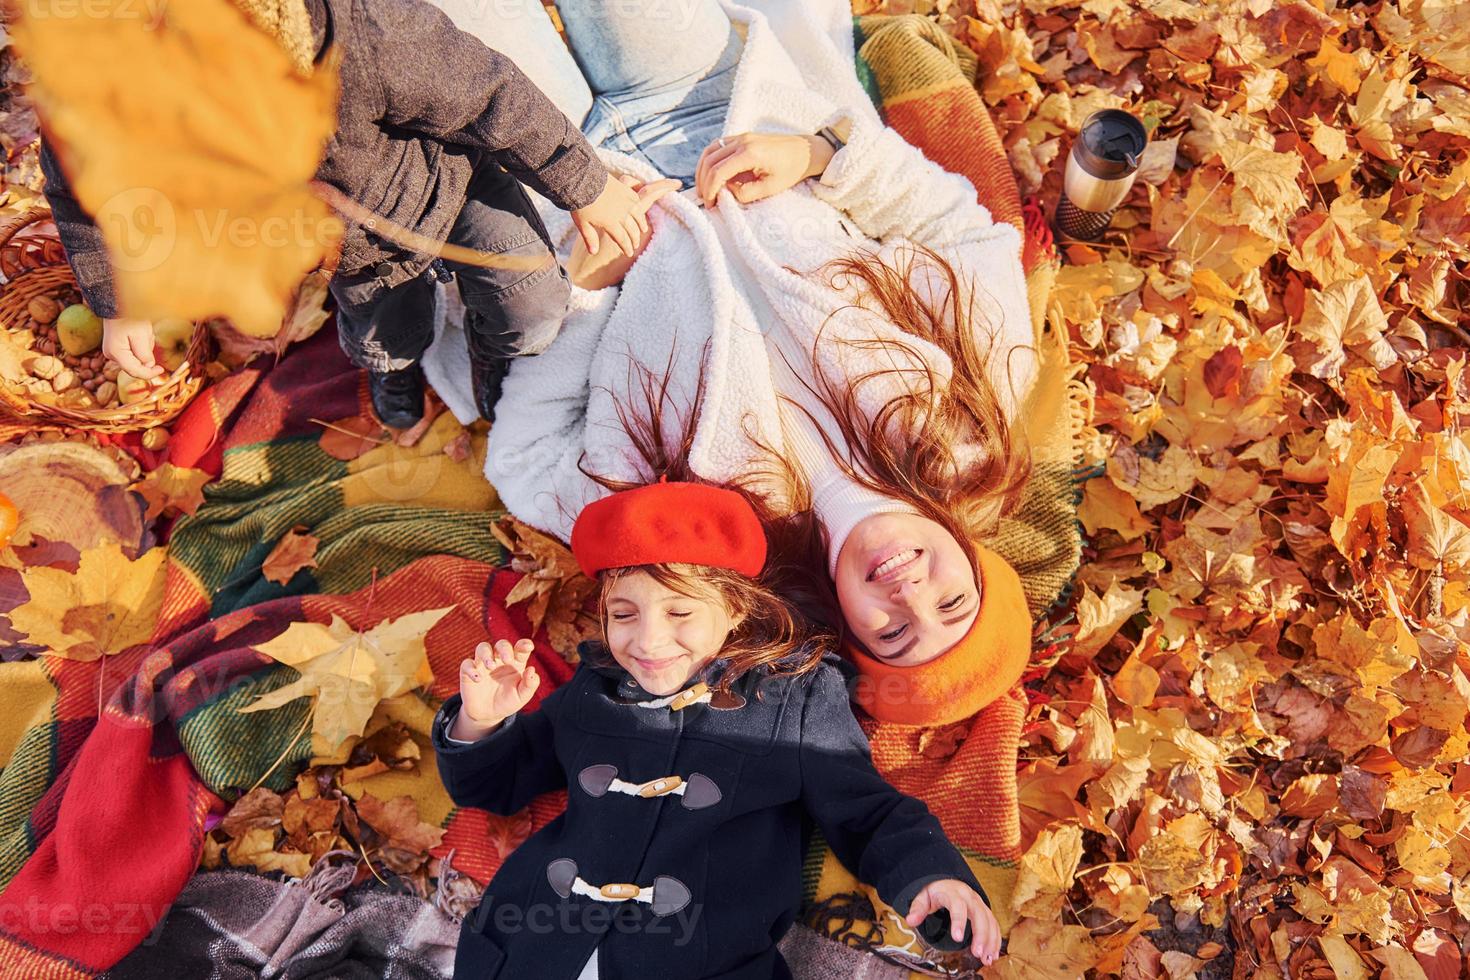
x: 662, y: 637
x: 906, y: 587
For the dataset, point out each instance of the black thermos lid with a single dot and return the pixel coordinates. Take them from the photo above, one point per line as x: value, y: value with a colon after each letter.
x: 1109, y: 144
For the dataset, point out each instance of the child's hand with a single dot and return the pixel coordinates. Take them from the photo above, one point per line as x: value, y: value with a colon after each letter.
x: 130, y: 344
x: 608, y: 269
x: 496, y: 683
x: 964, y: 905
x: 616, y: 215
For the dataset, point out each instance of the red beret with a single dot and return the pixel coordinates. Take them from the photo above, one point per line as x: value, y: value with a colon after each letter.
x: 670, y: 522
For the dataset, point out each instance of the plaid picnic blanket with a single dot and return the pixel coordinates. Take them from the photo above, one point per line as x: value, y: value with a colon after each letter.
x: 102, y: 814
x: 101, y: 818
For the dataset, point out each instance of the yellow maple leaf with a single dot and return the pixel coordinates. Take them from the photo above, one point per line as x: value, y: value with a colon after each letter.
x: 257, y: 847
x: 1046, y: 872
x: 193, y: 142
x: 1042, y: 949
x: 1344, y: 315
x: 1100, y: 616
x: 1154, y: 482
x: 348, y: 671
x: 109, y: 605
x: 1338, y: 66
x: 1345, y: 961
x: 1105, y: 506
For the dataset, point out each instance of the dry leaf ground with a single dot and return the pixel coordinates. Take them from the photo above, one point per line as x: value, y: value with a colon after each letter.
x: 1258, y: 736
x: 1253, y: 761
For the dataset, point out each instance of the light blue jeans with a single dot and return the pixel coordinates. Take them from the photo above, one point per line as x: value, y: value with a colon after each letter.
x: 661, y: 73
x: 647, y: 78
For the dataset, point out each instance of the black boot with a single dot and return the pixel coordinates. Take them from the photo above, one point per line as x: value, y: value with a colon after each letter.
x: 486, y: 375
x: 487, y: 369
x: 398, y: 396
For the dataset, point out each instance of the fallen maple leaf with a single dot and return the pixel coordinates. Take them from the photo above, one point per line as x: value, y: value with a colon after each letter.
x: 1046, y: 872
x: 109, y: 605
x: 349, y: 672
x: 193, y: 142
x: 305, y: 315
x: 1039, y: 949
x: 296, y: 550
x: 172, y: 487
x: 1099, y: 617
x: 414, y: 434
x: 257, y: 847
x: 258, y: 808
x: 552, y: 585
x: 349, y: 438
x: 397, y: 821
x: 301, y: 818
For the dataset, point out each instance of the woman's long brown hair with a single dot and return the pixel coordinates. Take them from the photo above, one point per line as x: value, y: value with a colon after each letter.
x: 772, y: 637
x: 908, y: 449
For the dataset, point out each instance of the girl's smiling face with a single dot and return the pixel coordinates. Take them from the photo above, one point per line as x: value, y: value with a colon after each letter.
x: 662, y: 637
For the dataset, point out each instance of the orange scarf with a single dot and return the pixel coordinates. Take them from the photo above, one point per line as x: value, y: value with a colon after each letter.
x: 970, y: 675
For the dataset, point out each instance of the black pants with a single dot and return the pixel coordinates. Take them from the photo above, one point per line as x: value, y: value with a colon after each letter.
x: 508, y: 312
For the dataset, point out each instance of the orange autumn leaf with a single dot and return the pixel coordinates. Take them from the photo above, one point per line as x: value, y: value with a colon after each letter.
x: 197, y: 167
x: 9, y: 521
x: 349, y: 438
x: 1047, y: 871
x: 509, y: 832
x: 296, y: 550
x: 175, y: 488
x: 397, y: 821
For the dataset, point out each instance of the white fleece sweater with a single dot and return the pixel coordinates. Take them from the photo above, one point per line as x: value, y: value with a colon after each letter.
x: 712, y: 296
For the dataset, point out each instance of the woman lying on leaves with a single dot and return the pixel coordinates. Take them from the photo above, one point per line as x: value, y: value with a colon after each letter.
x: 843, y: 326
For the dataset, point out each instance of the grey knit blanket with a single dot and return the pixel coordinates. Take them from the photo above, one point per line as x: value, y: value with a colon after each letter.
x: 234, y: 925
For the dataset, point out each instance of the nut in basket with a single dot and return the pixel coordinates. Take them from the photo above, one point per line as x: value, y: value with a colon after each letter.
x: 54, y: 371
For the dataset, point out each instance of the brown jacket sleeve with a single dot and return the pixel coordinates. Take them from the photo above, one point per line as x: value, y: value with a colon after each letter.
x: 86, y: 252
x: 441, y: 82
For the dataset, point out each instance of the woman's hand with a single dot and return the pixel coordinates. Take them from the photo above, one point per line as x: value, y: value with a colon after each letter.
x: 964, y: 905
x: 756, y: 166
x: 493, y: 685
x: 598, y: 270
x: 130, y: 344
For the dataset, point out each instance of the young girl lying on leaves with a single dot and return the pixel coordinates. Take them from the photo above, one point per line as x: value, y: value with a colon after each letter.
x: 691, y: 741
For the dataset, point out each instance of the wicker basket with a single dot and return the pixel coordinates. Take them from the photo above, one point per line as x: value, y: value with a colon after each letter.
x: 32, y: 263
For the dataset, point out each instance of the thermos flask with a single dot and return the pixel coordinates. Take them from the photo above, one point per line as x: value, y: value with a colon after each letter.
x: 1099, y: 172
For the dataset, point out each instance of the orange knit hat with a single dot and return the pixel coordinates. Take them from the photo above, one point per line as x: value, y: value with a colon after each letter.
x: 970, y: 675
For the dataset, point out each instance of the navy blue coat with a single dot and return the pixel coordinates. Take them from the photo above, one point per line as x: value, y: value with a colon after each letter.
x: 717, y: 861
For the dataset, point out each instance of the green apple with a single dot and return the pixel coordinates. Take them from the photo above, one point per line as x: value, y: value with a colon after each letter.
x: 173, y: 335
x: 79, y: 330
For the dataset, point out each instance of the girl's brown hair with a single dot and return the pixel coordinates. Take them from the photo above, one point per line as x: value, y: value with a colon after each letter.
x: 909, y: 450
x: 772, y: 636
